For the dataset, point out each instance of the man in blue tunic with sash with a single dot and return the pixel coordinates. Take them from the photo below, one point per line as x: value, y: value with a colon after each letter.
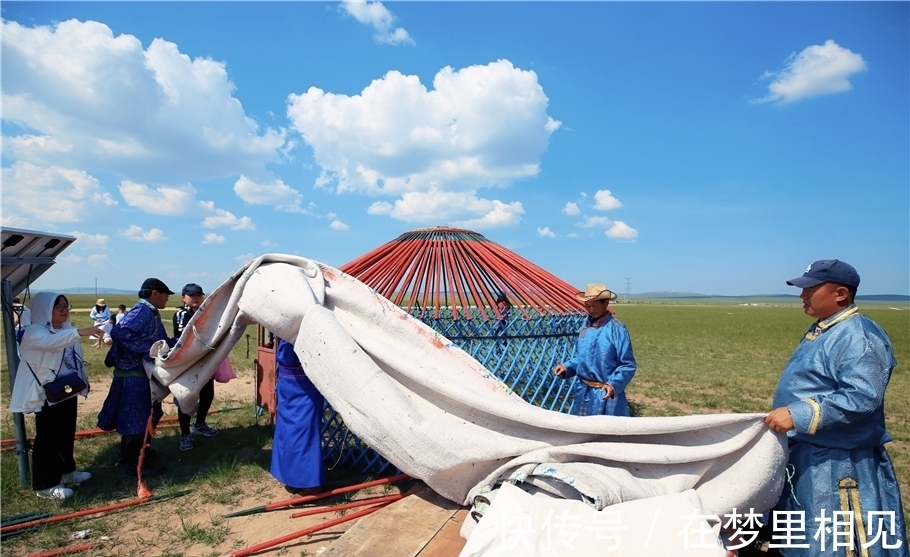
x: 830, y: 402
x: 129, y: 400
x: 603, y: 358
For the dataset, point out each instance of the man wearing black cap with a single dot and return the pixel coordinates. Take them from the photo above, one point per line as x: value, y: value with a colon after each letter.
x: 128, y: 403
x: 830, y: 402
x: 192, y: 299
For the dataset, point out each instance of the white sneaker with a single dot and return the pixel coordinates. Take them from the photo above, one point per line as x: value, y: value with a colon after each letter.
x: 57, y: 493
x: 75, y: 478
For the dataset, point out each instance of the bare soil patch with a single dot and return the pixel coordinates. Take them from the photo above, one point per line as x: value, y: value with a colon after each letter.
x: 645, y: 400
x: 193, y: 525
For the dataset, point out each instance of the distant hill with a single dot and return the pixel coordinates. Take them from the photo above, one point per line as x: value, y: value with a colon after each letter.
x: 661, y: 294
x: 665, y: 294
x: 784, y: 297
x: 657, y: 295
x: 92, y: 290
x: 884, y: 298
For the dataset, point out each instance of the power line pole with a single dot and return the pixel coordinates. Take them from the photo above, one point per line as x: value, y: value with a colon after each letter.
x: 628, y: 286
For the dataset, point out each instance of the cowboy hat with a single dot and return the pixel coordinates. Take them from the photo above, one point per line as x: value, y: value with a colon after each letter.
x: 595, y: 292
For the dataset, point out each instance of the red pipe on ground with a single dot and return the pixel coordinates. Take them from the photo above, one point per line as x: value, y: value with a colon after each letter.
x: 94, y: 432
x: 352, y: 505
x: 86, y: 512
x: 307, y: 498
x: 299, y: 534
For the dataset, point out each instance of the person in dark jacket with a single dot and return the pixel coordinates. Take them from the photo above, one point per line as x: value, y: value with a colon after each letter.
x: 192, y: 299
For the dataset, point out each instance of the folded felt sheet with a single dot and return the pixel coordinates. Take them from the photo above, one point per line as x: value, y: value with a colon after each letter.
x: 440, y: 416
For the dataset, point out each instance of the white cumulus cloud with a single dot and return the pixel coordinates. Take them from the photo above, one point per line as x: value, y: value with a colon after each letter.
x: 571, y: 209
x: 180, y: 200
x: 621, y: 231
x: 338, y: 225
x: 379, y: 18
x: 97, y: 240
x: 163, y: 200
x: 226, y: 218
x: 591, y: 222
x: 817, y: 70
x: 545, y: 232
x: 277, y: 194
x: 437, y: 206
x: 46, y: 196
x: 604, y: 201
x: 80, y: 97
x: 93, y: 260
x: 479, y: 127
x: 137, y: 234
x: 496, y: 214
x: 212, y: 238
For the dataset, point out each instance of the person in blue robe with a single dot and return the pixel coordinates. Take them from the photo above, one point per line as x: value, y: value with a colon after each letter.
x: 128, y: 403
x: 830, y: 402
x: 603, y: 359
x: 297, y: 444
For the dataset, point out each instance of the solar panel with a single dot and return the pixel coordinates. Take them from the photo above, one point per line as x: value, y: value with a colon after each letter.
x: 28, y: 254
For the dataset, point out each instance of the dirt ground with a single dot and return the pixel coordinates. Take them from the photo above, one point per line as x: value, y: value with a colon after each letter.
x: 156, y: 530
x: 242, y: 388
x: 160, y: 528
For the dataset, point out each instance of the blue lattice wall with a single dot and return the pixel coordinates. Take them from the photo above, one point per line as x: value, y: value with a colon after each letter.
x: 520, y: 351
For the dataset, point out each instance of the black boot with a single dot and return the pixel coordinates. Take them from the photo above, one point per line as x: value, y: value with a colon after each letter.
x: 130, y: 447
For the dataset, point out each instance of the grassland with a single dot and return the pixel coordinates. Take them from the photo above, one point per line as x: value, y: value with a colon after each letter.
x: 727, y: 358
x: 693, y: 358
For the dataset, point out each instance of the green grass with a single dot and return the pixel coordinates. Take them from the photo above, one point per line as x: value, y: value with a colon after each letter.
x: 242, y: 354
x: 727, y: 358
x: 211, y: 534
x: 693, y: 358
x: 219, y: 472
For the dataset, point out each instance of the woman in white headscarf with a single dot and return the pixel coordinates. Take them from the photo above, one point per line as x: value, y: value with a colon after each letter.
x: 50, y: 347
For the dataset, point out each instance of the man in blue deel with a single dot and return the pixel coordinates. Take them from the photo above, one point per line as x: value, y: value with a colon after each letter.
x: 830, y: 402
x: 603, y: 358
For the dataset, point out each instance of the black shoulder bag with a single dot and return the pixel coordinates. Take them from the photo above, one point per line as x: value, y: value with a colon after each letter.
x: 63, y: 386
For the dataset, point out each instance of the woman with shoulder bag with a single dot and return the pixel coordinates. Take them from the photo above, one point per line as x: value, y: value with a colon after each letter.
x: 50, y: 351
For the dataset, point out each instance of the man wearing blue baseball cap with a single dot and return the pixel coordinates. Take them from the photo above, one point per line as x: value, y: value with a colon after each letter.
x: 830, y: 402
x: 193, y: 297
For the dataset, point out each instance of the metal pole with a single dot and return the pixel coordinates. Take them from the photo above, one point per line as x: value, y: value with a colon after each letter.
x: 12, y: 364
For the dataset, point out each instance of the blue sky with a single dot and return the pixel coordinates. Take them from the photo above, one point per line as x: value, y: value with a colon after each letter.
x: 713, y: 147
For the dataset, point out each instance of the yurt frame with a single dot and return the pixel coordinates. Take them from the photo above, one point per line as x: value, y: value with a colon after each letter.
x: 450, y: 279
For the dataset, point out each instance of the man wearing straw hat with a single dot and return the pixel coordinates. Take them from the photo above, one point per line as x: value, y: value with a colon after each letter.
x: 603, y: 359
